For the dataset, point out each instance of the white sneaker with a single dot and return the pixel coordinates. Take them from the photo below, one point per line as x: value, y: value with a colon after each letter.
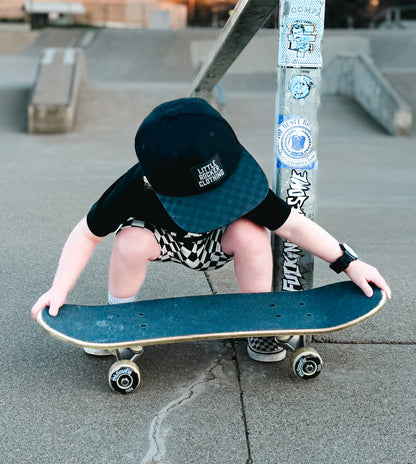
x: 95, y: 352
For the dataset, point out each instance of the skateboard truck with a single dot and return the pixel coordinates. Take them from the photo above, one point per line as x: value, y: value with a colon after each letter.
x: 128, y: 353
x: 291, y: 343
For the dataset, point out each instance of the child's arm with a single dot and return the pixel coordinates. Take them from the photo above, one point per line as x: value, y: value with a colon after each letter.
x: 312, y: 238
x: 75, y: 255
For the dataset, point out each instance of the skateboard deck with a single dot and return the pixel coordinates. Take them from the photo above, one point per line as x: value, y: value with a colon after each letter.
x: 172, y: 320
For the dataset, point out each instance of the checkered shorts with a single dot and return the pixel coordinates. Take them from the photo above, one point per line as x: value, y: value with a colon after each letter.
x: 201, y: 252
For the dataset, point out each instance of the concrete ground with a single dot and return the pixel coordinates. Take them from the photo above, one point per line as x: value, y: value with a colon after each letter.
x: 199, y: 402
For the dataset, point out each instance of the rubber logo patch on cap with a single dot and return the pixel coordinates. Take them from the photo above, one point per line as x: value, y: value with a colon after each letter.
x: 210, y: 173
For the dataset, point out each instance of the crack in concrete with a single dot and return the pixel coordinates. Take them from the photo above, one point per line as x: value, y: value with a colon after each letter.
x: 157, y: 448
x: 242, y: 405
x: 323, y: 341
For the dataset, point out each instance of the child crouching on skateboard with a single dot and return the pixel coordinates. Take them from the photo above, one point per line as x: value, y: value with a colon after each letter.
x: 198, y: 198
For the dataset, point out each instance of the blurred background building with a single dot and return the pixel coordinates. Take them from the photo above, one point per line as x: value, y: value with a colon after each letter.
x: 177, y: 14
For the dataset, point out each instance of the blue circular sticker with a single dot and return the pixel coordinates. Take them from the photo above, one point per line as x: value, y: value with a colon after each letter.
x: 294, y: 140
x: 300, y: 86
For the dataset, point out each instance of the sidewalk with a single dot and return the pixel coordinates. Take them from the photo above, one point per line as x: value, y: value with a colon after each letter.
x: 204, y: 402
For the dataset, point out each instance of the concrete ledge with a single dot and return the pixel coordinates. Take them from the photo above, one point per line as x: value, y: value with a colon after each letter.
x: 356, y: 76
x: 52, y: 105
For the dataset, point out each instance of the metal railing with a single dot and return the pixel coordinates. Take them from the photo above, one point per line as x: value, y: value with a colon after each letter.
x: 246, y: 20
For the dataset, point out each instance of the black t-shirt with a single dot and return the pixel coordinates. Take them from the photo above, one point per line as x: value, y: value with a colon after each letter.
x: 130, y: 197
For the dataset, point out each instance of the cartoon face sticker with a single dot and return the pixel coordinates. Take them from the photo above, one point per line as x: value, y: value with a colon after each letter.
x: 300, y: 86
x: 302, y: 38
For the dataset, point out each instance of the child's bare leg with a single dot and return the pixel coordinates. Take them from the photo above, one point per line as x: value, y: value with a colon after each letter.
x: 133, y: 248
x: 253, y: 261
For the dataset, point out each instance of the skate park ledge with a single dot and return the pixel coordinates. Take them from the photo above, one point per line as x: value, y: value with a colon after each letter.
x: 54, y: 95
x: 356, y: 76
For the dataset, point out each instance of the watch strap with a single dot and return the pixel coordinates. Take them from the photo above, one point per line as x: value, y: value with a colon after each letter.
x: 345, y: 260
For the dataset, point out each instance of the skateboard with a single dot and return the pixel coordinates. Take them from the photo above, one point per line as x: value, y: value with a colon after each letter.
x: 124, y: 329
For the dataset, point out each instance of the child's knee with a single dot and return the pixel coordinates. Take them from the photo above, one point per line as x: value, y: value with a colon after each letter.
x: 245, y: 235
x: 136, y: 244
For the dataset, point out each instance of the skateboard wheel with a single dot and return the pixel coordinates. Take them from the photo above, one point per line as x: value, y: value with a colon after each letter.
x: 124, y: 376
x: 307, y: 363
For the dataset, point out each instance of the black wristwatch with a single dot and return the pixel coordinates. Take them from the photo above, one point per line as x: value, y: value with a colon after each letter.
x: 348, y: 256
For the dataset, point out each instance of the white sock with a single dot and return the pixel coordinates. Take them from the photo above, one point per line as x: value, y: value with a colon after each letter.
x: 114, y: 300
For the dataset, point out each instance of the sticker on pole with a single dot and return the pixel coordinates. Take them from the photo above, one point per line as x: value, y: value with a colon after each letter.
x: 294, y: 143
x: 301, y: 31
x: 300, y: 86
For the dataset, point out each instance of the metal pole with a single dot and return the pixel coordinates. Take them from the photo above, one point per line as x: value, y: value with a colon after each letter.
x: 301, y: 26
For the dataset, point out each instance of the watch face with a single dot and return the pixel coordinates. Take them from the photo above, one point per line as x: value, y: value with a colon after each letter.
x: 350, y: 251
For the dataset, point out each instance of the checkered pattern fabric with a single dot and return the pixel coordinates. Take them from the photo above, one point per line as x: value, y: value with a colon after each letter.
x: 237, y: 198
x: 265, y: 349
x: 200, y: 252
x: 264, y: 345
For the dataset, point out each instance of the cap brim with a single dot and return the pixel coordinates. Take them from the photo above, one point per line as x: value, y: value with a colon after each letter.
x: 246, y: 188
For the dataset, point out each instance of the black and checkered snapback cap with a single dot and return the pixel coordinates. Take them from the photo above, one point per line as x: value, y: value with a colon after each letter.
x: 201, y: 173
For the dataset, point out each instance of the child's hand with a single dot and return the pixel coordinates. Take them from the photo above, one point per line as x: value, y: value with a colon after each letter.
x: 54, y: 298
x: 362, y: 273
